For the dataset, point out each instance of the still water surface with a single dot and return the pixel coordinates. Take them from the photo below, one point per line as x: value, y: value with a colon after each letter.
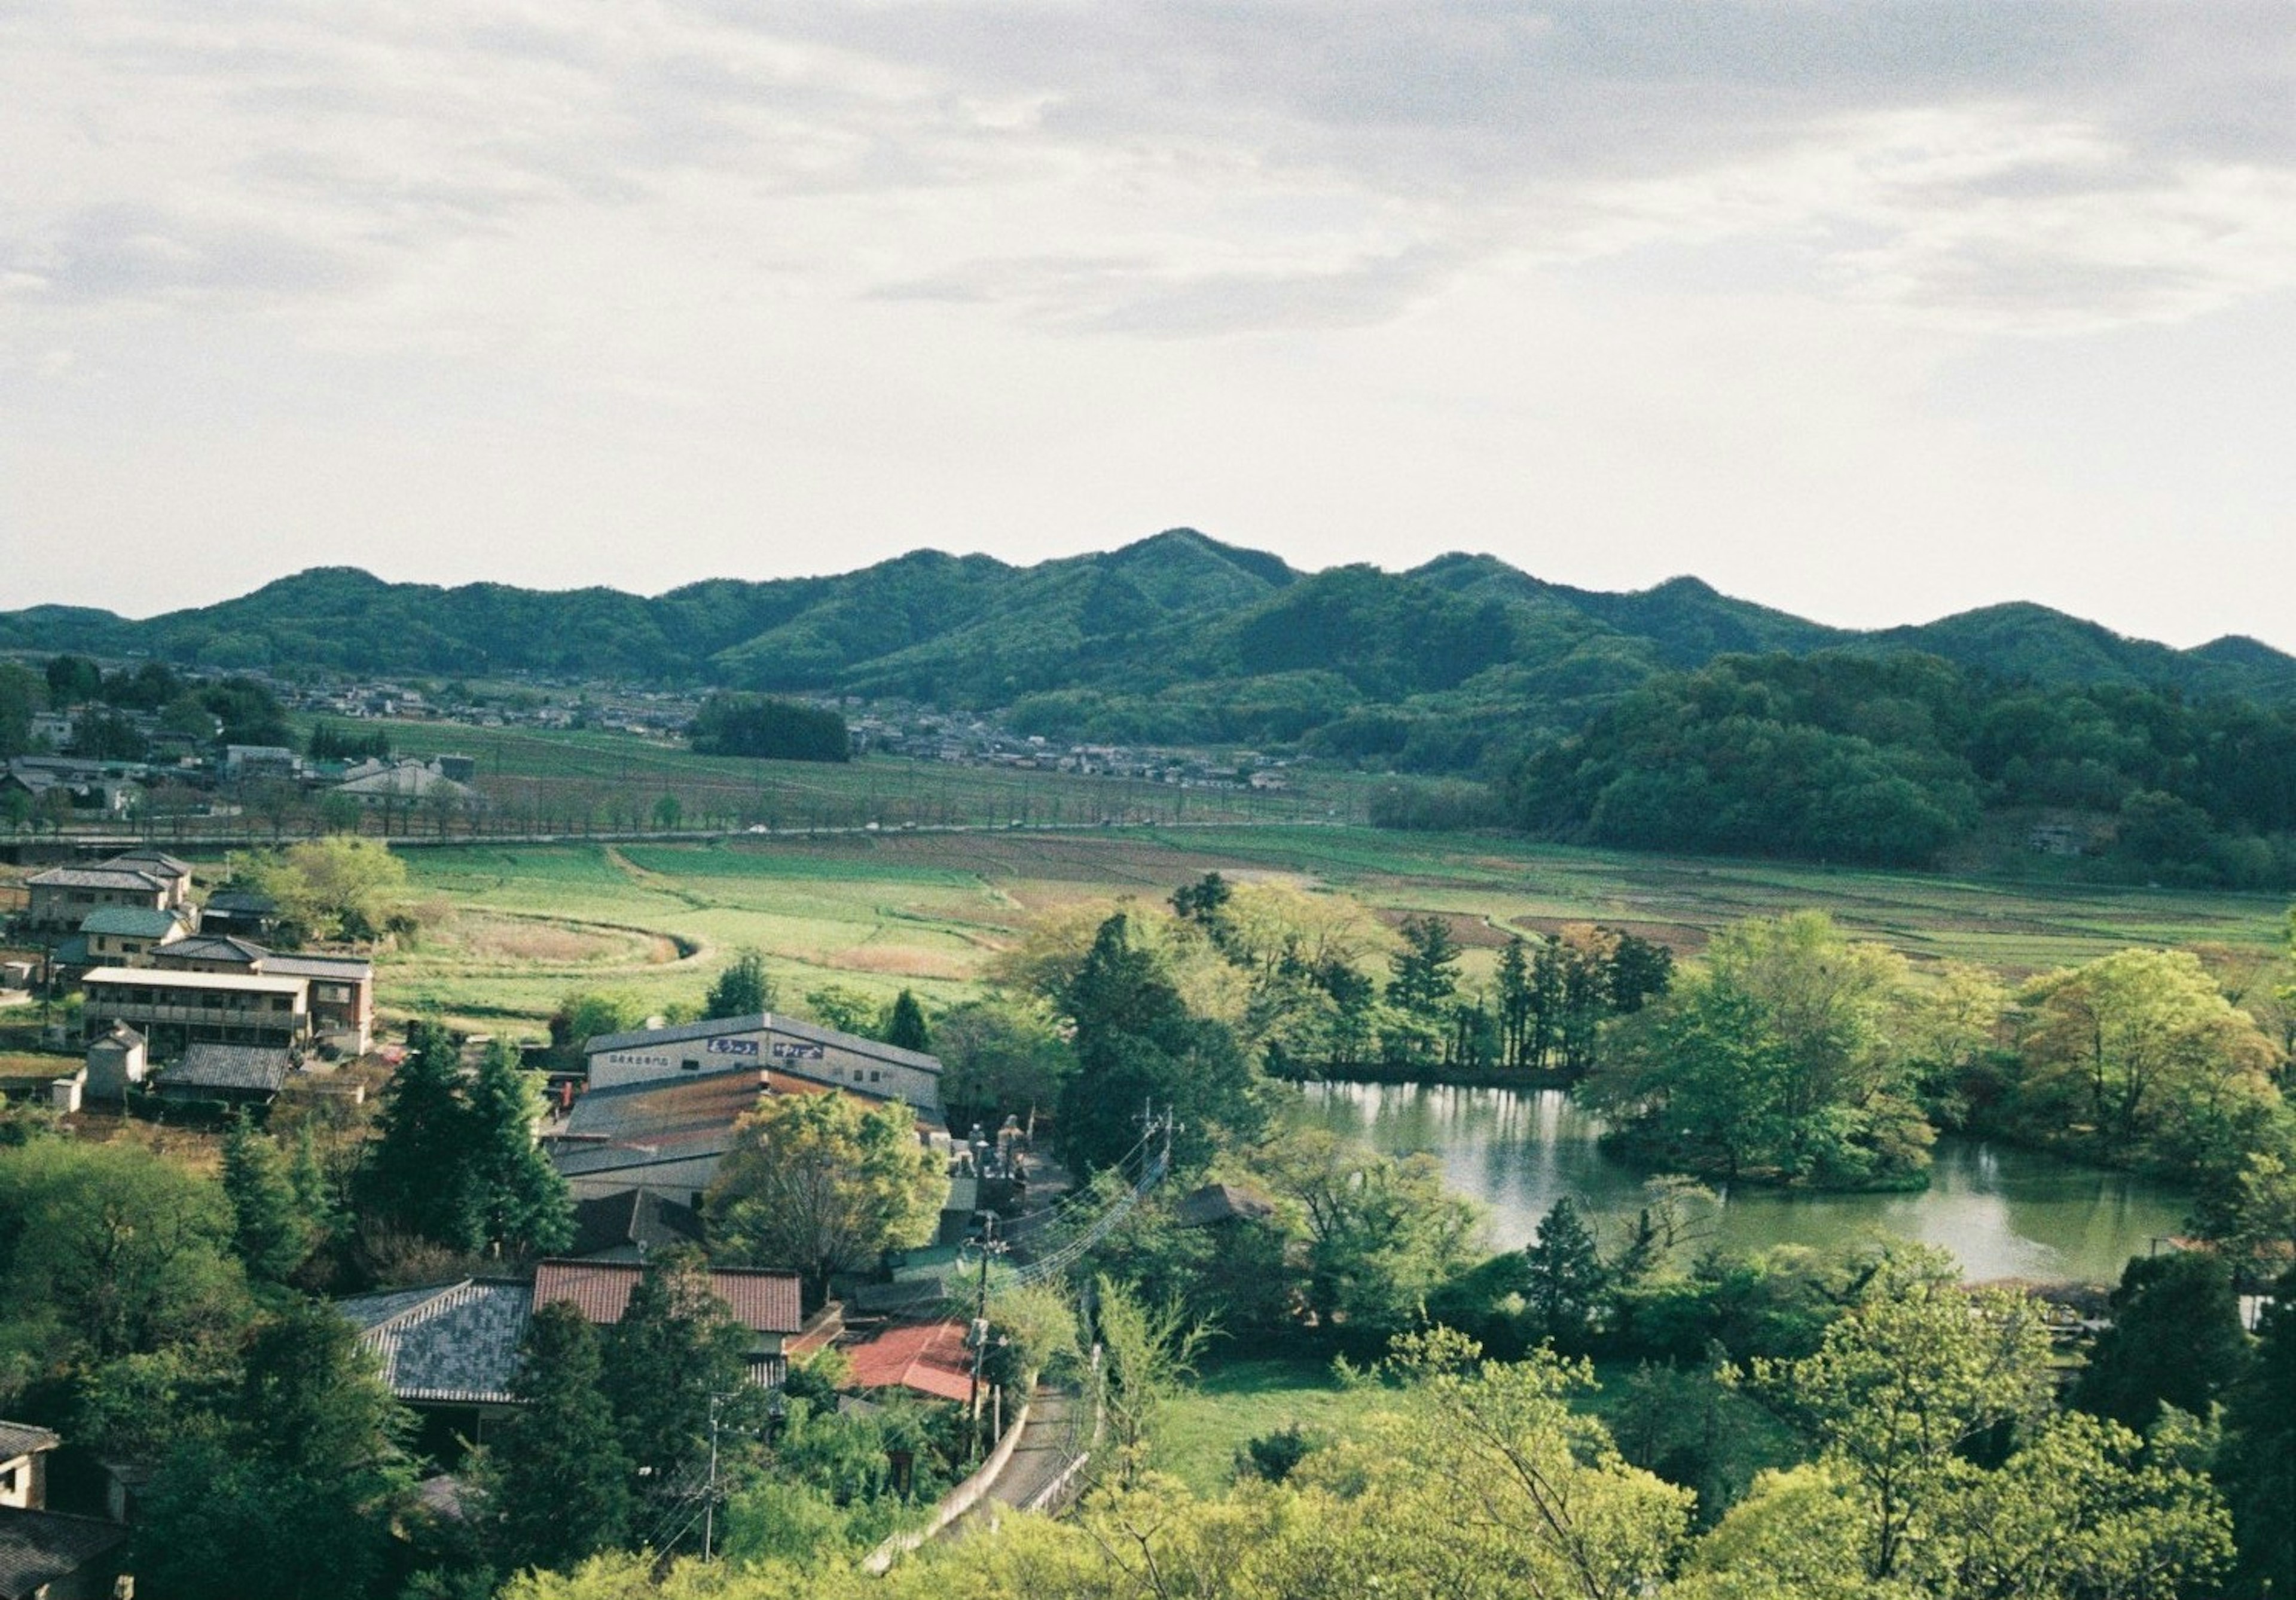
x: 2005, y: 1212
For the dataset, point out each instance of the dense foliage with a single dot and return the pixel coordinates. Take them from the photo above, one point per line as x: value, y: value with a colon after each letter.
x: 768, y: 729
x: 1899, y: 759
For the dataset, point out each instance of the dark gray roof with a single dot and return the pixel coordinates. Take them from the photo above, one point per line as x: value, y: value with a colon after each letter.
x: 764, y: 1022
x: 215, y: 947
x: 455, y: 1345
x: 365, y: 1312
x: 98, y: 877
x: 21, y: 1439
x: 317, y: 966
x: 120, y: 1034
x: 243, y: 899
x: 147, y: 859
x: 228, y: 1067
x: 40, y: 1547
x: 638, y: 1216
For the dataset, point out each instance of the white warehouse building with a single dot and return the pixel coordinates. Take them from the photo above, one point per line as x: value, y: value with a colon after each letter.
x: 768, y: 1044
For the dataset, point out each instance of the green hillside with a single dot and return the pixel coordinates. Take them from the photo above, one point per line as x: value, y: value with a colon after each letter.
x: 1460, y: 664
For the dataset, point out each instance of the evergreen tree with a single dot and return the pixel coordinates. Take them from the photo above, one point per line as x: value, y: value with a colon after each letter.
x: 742, y: 990
x: 416, y: 1176
x: 2176, y: 1340
x: 1514, y: 997
x: 2257, y: 1463
x: 271, y: 1233
x: 1426, y: 972
x: 521, y: 1202
x: 1564, y: 1279
x: 676, y: 1345
x: 561, y: 1489
x: 1136, y: 1043
x: 294, y: 1496
x: 905, y: 1024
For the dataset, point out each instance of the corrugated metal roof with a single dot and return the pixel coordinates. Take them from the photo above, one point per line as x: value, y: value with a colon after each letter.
x: 168, y: 977
x: 660, y: 1108
x: 764, y: 1301
x: 929, y: 1358
x: 763, y: 1022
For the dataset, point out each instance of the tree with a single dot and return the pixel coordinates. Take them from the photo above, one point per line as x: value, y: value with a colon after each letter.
x: 764, y: 729
x: 1383, y: 1234
x: 1564, y: 1279
x: 1136, y: 1044
x: 676, y: 1345
x: 271, y: 1233
x: 106, y: 1252
x: 1149, y: 1351
x: 417, y: 1178
x: 1913, y: 1375
x: 2256, y: 1462
x: 293, y: 1494
x: 1781, y: 1056
x: 1426, y: 970
x: 586, y: 1014
x: 1000, y: 1058
x: 561, y: 1484
x: 333, y: 888
x: 520, y: 1202
x: 816, y: 1182
x: 742, y: 990
x: 2140, y: 1056
x: 2176, y: 1340
x: 905, y: 1024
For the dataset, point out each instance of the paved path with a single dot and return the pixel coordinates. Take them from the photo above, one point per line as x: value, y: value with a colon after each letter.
x: 1047, y: 1445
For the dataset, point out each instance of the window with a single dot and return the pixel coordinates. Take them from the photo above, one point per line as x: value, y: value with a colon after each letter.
x: 874, y: 1075
x: 690, y: 1064
x: 8, y: 1480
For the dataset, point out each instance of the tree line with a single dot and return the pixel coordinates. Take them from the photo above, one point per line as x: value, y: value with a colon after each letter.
x: 1898, y: 759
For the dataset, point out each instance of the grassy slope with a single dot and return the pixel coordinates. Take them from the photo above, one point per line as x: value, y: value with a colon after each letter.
x: 927, y: 909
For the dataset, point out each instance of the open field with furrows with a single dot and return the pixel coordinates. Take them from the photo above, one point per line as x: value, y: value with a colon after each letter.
x: 563, y: 778
x: 928, y: 910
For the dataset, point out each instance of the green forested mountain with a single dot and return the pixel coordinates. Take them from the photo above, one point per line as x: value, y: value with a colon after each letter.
x: 1454, y: 665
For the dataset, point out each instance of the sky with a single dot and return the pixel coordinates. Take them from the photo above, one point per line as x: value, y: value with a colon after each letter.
x: 1872, y: 312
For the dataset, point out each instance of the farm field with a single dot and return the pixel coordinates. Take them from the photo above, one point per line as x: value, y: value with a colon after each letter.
x: 927, y: 910
x: 545, y: 778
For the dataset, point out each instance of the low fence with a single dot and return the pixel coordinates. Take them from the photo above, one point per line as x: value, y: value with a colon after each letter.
x: 955, y: 1503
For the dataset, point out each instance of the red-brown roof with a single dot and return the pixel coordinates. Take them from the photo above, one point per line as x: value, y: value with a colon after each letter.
x: 763, y: 1300
x: 928, y: 1356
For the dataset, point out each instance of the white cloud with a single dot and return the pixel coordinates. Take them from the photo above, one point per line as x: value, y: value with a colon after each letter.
x: 893, y: 265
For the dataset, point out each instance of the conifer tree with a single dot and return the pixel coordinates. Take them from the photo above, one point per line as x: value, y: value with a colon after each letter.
x: 271, y: 1234
x: 562, y: 1483
x: 415, y: 1177
x: 905, y: 1024
x: 520, y: 1200
x: 676, y: 1345
x: 742, y: 990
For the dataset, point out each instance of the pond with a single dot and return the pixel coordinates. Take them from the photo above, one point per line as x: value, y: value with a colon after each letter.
x: 2003, y: 1212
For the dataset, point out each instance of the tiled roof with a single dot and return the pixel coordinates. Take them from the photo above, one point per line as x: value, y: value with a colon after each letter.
x: 766, y: 1302
x: 98, y: 877
x: 929, y: 1358
x: 41, y: 1548
x: 228, y: 1067
x: 129, y: 922
x: 213, y: 946
x: 147, y: 859
x: 638, y: 1216
x: 21, y: 1439
x: 120, y: 1034
x: 1216, y: 1203
x: 243, y: 899
x: 456, y: 1345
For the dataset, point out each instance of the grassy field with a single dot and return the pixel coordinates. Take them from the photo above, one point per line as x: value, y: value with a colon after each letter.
x: 926, y: 910
x: 1201, y: 1431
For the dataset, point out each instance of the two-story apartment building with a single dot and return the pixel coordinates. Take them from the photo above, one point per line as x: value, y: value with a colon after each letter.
x: 341, y: 992
x: 175, y: 1010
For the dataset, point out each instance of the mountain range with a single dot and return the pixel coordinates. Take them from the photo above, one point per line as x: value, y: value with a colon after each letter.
x: 1177, y: 636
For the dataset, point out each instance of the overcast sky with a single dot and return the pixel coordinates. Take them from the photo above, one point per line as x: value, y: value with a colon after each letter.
x: 1872, y: 312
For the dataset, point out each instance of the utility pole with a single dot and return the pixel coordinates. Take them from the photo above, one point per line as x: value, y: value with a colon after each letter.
x: 710, y: 1505
x: 990, y: 1244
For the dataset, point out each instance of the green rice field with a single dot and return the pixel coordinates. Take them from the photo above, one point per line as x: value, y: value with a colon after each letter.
x: 515, y: 927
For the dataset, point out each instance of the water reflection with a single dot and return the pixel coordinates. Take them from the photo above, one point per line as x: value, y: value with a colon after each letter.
x: 2004, y: 1212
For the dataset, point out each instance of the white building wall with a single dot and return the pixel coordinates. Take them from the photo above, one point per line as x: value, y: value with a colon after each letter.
x: 767, y: 1049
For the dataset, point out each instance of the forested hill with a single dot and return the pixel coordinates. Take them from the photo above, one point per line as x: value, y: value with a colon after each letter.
x: 1176, y: 637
